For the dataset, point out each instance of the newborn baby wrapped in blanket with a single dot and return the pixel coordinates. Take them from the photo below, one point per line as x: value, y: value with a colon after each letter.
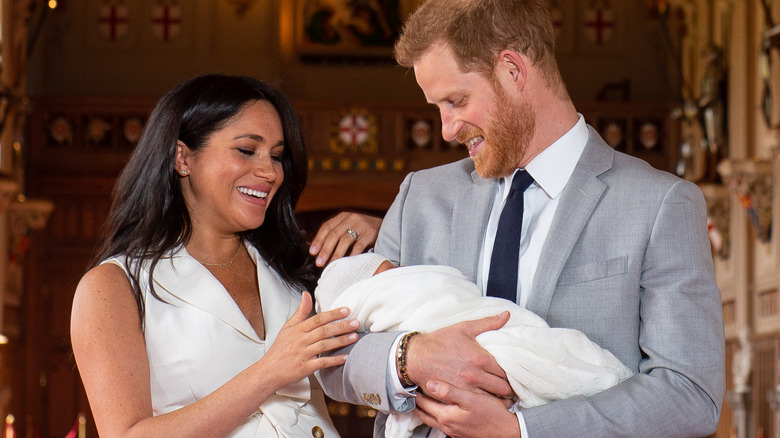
x: 542, y: 364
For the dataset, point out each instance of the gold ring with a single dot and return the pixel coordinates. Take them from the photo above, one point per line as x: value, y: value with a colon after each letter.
x: 352, y: 233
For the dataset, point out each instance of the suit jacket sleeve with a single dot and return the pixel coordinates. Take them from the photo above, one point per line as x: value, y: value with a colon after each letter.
x: 362, y: 379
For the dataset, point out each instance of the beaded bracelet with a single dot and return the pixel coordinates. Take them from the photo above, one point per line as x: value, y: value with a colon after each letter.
x: 401, y: 358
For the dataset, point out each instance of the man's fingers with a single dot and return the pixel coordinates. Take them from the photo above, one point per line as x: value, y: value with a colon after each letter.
x: 495, y: 383
x: 443, y: 392
x: 428, y: 410
x: 488, y: 323
x: 459, y: 412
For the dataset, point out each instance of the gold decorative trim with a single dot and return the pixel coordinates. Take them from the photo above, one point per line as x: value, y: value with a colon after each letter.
x: 8, y: 189
x: 751, y: 182
x: 24, y: 217
x: 359, y: 165
x: 718, y: 218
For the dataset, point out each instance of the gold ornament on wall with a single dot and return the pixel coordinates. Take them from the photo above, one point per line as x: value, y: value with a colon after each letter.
x: 751, y: 182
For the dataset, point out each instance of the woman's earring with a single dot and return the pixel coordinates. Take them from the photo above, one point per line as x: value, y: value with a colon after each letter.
x: 183, y: 172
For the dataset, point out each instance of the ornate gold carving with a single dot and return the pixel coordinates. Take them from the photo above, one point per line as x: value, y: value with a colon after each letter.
x: 8, y: 189
x: 22, y: 218
x: 356, y: 165
x: 751, y: 181
x: 718, y: 218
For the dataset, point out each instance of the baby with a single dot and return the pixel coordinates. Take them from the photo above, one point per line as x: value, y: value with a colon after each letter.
x: 542, y: 364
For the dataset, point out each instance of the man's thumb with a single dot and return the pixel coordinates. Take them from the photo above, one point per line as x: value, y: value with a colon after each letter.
x: 488, y: 323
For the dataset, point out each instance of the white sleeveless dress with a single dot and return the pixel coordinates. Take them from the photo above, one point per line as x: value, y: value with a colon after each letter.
x: 198, y: 339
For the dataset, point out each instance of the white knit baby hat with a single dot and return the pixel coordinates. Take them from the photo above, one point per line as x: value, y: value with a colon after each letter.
x: 343, y: 273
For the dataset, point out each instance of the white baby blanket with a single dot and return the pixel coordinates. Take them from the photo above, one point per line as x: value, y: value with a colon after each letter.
x: 543, y: 364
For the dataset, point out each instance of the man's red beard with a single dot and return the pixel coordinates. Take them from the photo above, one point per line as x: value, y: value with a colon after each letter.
x: 506, y: 139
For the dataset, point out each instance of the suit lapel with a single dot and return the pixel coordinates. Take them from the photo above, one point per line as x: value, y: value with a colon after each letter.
x: 470, y: 215
x: 578, y: 200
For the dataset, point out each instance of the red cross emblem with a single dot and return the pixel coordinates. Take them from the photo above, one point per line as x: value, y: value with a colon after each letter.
x: 166, y: 22
x: 599, y: 24
x: 353, y: 129
x: 557, y: 17
x: 112, y: 21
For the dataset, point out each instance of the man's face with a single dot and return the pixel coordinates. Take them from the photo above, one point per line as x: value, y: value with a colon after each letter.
x: 476, y: 111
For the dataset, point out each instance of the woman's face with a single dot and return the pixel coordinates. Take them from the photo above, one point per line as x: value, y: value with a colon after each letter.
x: 230, y: 182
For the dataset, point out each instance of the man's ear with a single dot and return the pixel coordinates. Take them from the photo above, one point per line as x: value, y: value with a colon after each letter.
x: 512, y: 69
x: 182, y: 154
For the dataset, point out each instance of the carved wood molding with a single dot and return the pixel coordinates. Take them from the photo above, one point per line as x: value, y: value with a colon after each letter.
x: 8, y: 189
x: 23, y: 217
x: 718, y: 218
x: 751, y: 182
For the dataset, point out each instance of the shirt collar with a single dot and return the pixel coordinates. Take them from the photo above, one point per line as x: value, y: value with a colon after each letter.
x: 552, y: 168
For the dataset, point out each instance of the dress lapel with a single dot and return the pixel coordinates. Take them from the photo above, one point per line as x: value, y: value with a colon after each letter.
x: 184, y: 278
x: 181, y: 277
x: 578, y: 200
x: 279, y: 301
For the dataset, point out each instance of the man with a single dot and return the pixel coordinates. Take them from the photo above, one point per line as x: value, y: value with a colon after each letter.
x: 609, y: 246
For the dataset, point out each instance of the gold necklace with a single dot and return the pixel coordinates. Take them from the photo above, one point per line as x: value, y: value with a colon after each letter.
x: 222, y: 265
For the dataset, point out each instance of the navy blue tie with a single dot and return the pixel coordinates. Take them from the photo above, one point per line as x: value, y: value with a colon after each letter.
x: 502, y: 279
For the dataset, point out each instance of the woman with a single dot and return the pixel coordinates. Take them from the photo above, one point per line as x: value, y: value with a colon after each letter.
x: 189, y: 326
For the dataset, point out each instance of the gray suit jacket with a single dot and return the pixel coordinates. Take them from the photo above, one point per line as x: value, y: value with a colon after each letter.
x: 627, y: 261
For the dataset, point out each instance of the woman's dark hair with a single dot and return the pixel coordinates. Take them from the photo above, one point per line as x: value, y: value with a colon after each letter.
x: 148, y: 215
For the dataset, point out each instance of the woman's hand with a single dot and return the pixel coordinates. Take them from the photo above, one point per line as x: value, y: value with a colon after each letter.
x: 345, y: 231
x: 296, y: 351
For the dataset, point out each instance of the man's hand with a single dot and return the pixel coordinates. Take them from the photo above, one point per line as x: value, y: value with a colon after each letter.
x: 463, y: 414
x: 453, y: 356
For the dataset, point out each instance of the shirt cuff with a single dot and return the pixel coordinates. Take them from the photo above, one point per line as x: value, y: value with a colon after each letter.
x: 523, y: 427
x: 400, y: 397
